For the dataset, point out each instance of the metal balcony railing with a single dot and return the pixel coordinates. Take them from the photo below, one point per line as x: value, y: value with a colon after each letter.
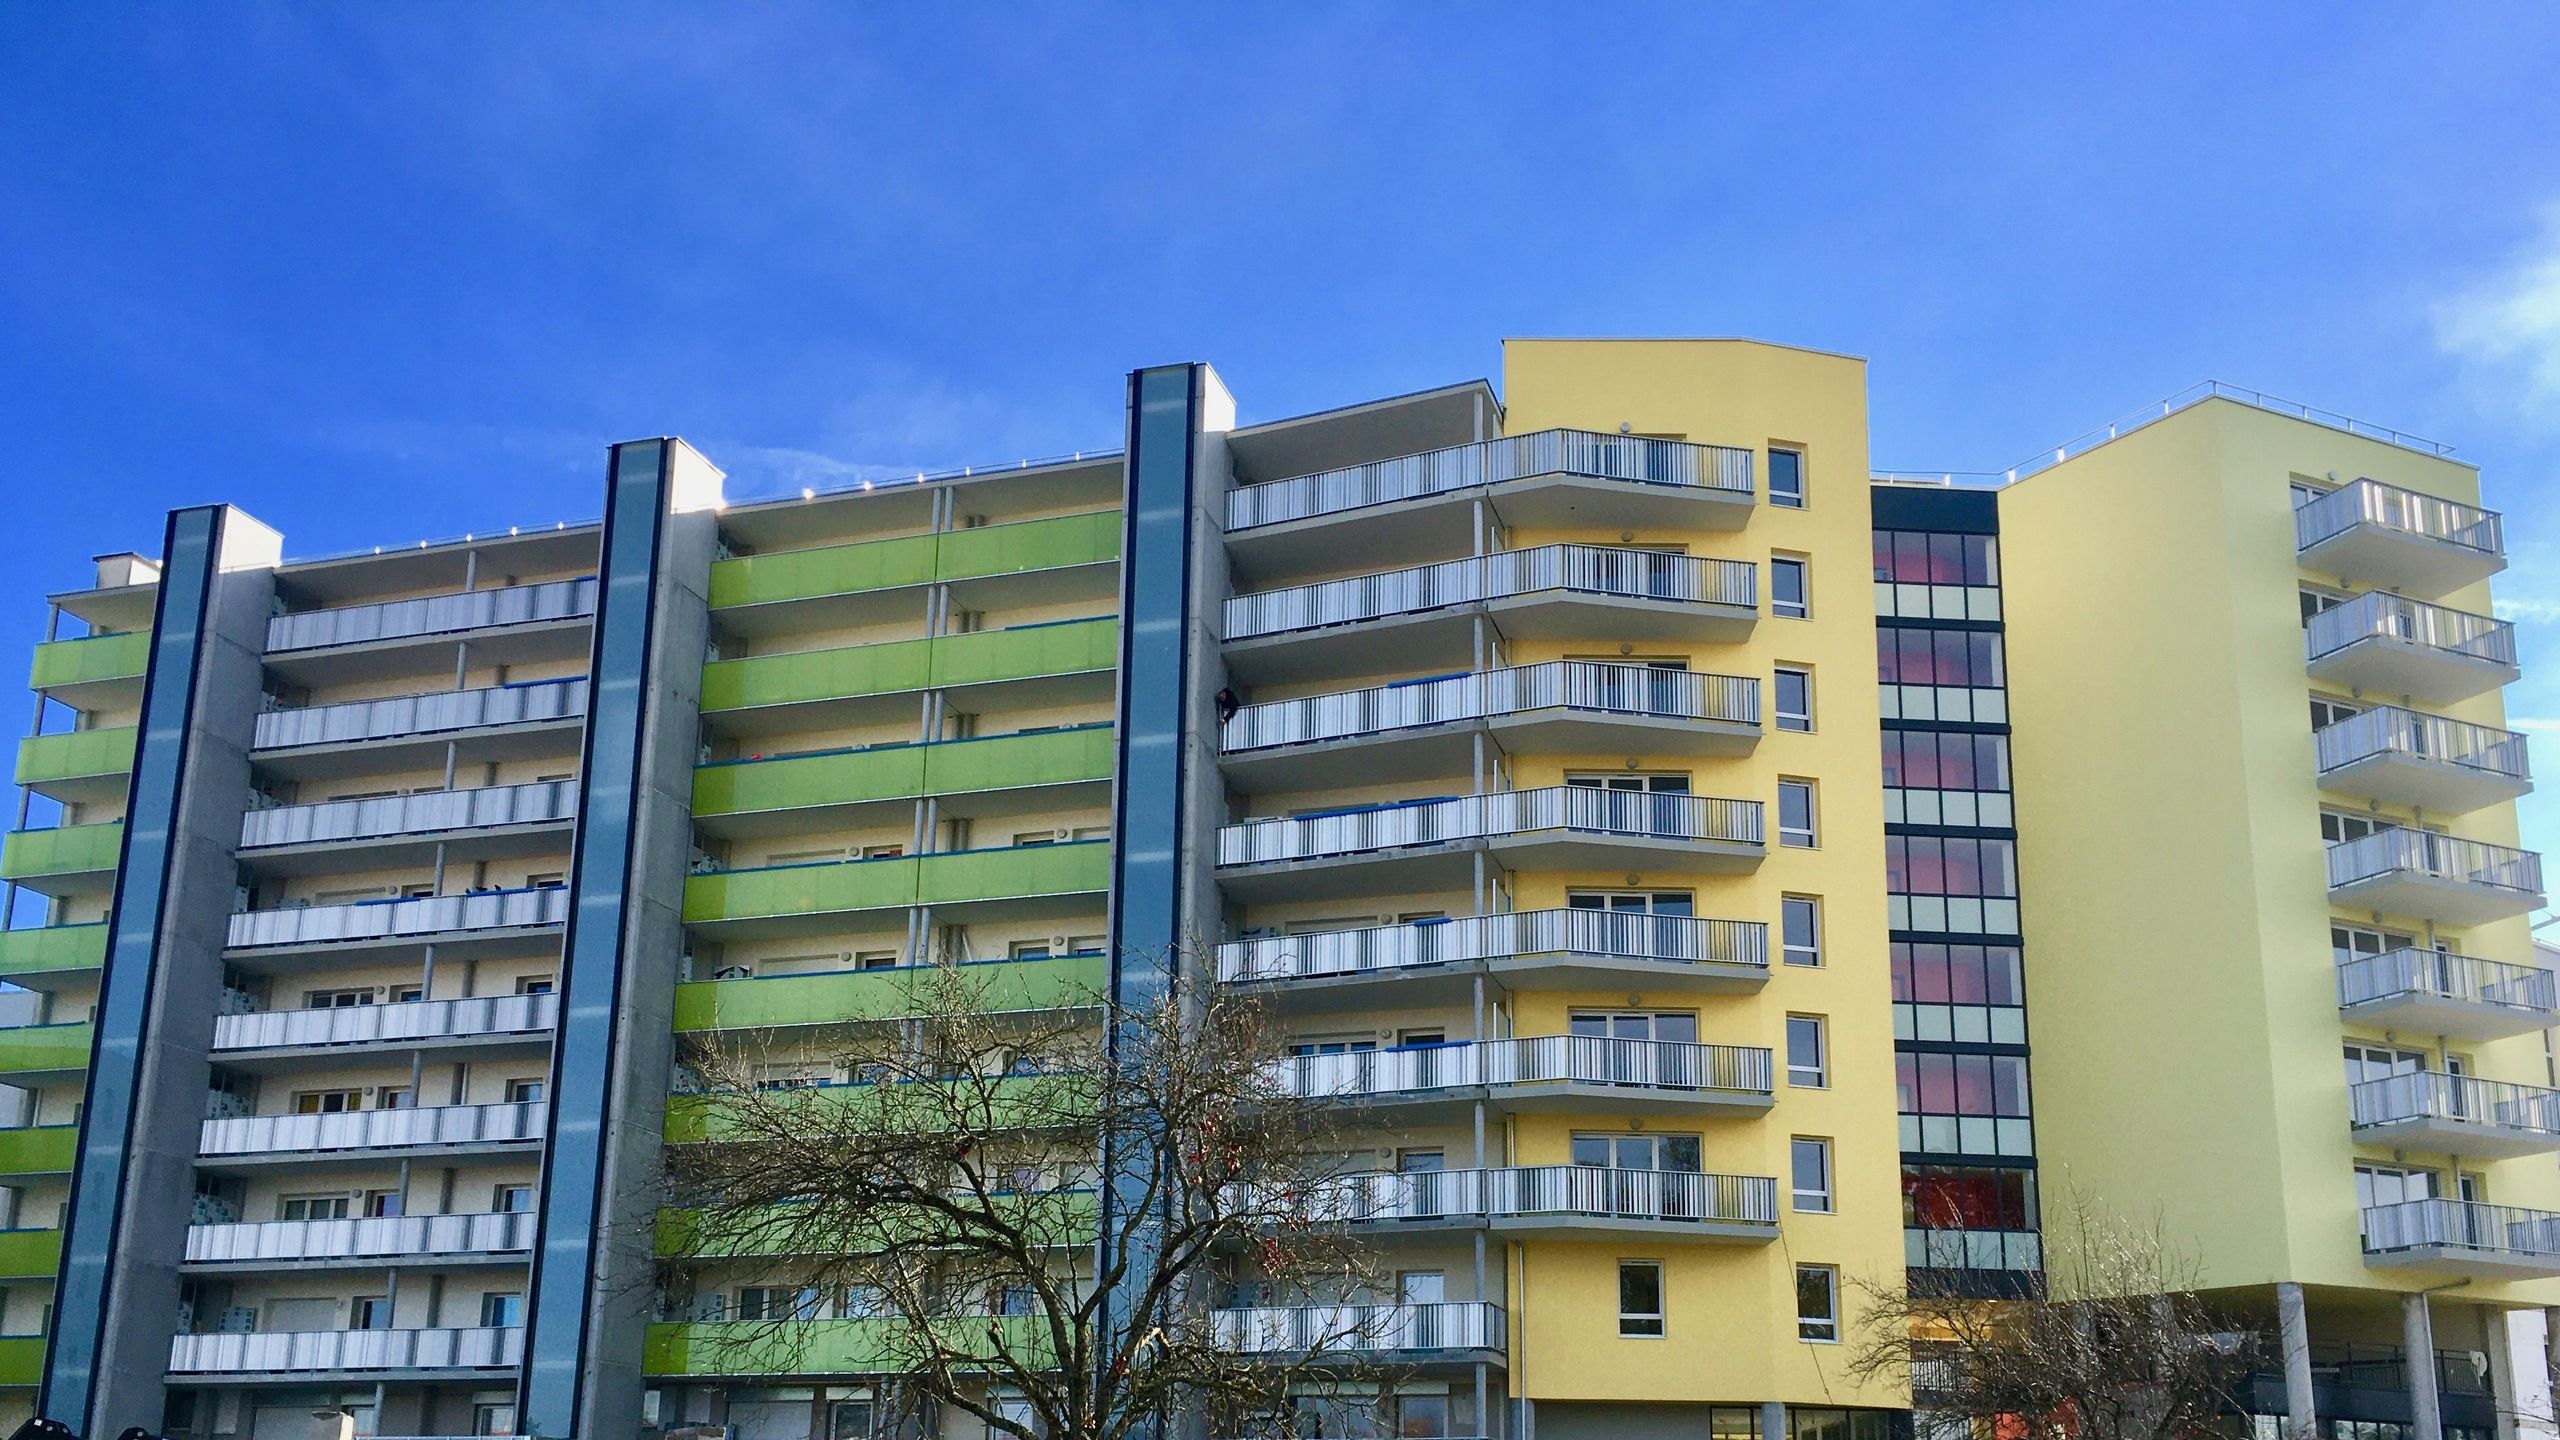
x: 2413, y: 735
x: 1596, y: 687
x: 2416, y: 971
x: 1741, y: 1070
x: 1579, y: 808
x: 2377, y: 615
x: 373, y: 1129
x: 2370, y: 502
x: 1490, y: 462
x: 1354, y: 1329
x: 381, y: 919
x: 432, y: 615
x: 398, y: 1021
x: 1672, y: 939
x: 433, y: 714
x: 1545, y: 1191
x: 2443, y: 857
x: 330, y: 1351
x: 1601, y: 570
x: 392, y: 1237
x: 2457, y: 1099
x: 2498, y: 1231
x: 435, y: 812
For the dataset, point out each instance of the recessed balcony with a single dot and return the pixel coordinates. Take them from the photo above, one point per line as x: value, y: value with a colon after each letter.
x: 2385, y: 645
x: 368, y: 1354
x: 1425, y: 845
x: 1425, y: 616
x: 2405, y: 757
x: 94, y: 672
x: 2426, y: 876
x: 34, y: 1054
x: 846, y: 997
x: 36, y: 953
x: 1557, y: 1202
x: 1448, y: 1330
x: 1438, y: 961
x: 2395, y: 539
x: 1546, y: 1072
x: 1051, y: 770
x: 78, y: 767
x: 1026, y: 667
x: 2463, y: 1237
x: 1004, y: 882
x: 770, y: 1349
x: 2455, y: 1115
x: 510, y: 624
x: 30, y: 1254
x: 66, y: 860
x: 499, y: 722
x: 488, y: 915
x: 989, y: 567
x: 1429, y: 726
x: 368, y: 1243
x: 1552, y: 479
x: 2428, y: 992
x: 495, y: 1023
x: 514, y: 1127
x: 494, y: 822
x: 30, y: 1150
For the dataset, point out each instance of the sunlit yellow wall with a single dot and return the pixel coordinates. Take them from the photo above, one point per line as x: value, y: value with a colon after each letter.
x: 1732, y: 1311
x: 2178, y: 966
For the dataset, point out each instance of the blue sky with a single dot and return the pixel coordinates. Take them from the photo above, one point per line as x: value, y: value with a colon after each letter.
x: 434, y: 257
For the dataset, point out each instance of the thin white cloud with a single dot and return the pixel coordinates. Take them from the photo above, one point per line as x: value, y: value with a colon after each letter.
x: 2507, y: 326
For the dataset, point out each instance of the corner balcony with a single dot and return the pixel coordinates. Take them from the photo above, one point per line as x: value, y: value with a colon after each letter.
x: 79, y: 766
x: 439, y: 1130
x: 1429, y: 726
x: 338, y: 835
x: 2384, y: 645
x: 990, y: 567
x: 65, y: 860
x: 543, y: 621
x: 499, y: 722
x: 769, y: 1002
x: 487, y: 916
x: 1426, y: 845
x: 1449, y: 1331
x: 1566, y: 1202
x: 495, y: 1023
x: 2395, y: 539
x: 2455, y: 1115
x: 1006, y: 882
x: 309, y: 1355
x: 991, y: 775
x: 94, y: 672
x: 2427, y: 876
x: 1589, y: 1073
x: 31, y: 1150
x: 370, y: 1243
x: 2405, y: 757
x: 1425, y: 616
x: 34, y: 1054
x: 2428, y: 992
x: 2463, y: 1237
x: 1027, y: 667
x: 1437, y: 961
x: 35, y: 953
x: 1551, y: 479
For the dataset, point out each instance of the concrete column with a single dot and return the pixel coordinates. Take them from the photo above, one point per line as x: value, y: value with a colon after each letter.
x: 2418, y: 1338
x: 1773, y: 1420
x: 2294, y: 1330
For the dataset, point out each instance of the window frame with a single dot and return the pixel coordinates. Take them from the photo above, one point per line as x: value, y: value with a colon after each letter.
x: 1827, y: 1322
x: 1820, y: 1069
x: 1779, y: 715
x: 1658, y: 1317
x: 1825, y: 1196
x: 1811, y: 905
x: 1800, y: 608
x: 1796, y: 498
x: 1811, y: 830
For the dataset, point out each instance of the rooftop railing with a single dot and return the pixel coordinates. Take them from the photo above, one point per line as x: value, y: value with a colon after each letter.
x: 2458, y: 1099
x: 2371, y: 502
x: 1579, y: 808
x: 383, y: 919
x: 432, y: 615
x: 1583, y: 569
x: 2415, y: 971
x: 1638, y: 691
x: 399, y: 1021
x: 2378, y: 615
x: 331, y: 1351
x: 373, y: 1129
x: 384, y: 1237
x: 1740, y: 1070
x: 2441, y: 857
x: 2413, y: 735
x: 423, y: 714
x: 2493, y: 1231
x: 1489, y: 462
x: 1671, y: 939
x: 433, y: 812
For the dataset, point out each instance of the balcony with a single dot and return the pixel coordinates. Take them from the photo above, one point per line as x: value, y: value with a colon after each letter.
x: 856, y: 996
x: 2395, y: 539
x: 33, y: 1054
x: 2427, y: 876
x: 467, y: 1022
x: 2428, y: 992
x: 1436, y: 962
x: 65, y: 860
x: 993, y: 775
x: 369, y: 1243
x: 370, y: 1354
x: 95, y: 672
x: 2384, y: 645
x: 990, y: 567
x: 338, y: 835
x: 1427, y: 845
x: 765, y: 1348
x: 1552, y: 479
x: 500, y: 722
x: 436, y: 1129
x: 435, y: 617
x: 38, y: 1149
x: 1020, y: 881
x: 30, y: 1254
x: 1424, y: 617
x: 42, y: 952
x: 1428, y: 726
x: 491, y: 914
x: 1558, y: 1202
x: 2403, y: 757
x: 78, y: 766
x: 1028, y: 667
x: 1449, y: 1330
x: 1545, y: 1072
x: 2463, y: 1237
x: 2455, y: 1115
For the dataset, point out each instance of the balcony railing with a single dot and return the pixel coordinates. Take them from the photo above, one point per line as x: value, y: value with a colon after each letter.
x: 2370, y: 502
x: 1670, y: 939
x: 1547, y: 1191
x: 1738, y: 1070
x: 2497, y: 1232
x: 384, y: 919
x: 2433, y: 973
x: 1580, y: 808
x: 2430, y: 1095
x: 2440, y: 857
x: 334, y: 1351
x: 1581, y: 569
x: 2375, y: 615
x: 395, y: 1237
x: 1358, y: 1329
x: 1629, y: 690
x: 434, y: 714
x: 373, y: 1129
x: 400, y: 1021
x: 432, y: 615
x: 1462, y: 467
x: 2388, y: 730
x: 435, y: 812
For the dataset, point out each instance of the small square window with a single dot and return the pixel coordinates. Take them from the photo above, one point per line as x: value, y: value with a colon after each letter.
x: 1640, y: 1297
x: 1800, y: 930
x: 501, y: 1309
x: 1789, y: 595
x: 1794, y: 698
x: 1809, y: 1163
x: 1808, y: 1053
x: 1795, y: 814
x: 1786, y: 478
x: 1818, y: 1303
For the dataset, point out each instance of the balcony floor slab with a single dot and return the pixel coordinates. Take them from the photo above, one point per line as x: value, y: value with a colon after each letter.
x: 2420, y: 566
x: 2438, y: 786
x: 2418, y: 1013
x: 2429, y: 674
x: 2441, y: 1135
x: 2422, y: 896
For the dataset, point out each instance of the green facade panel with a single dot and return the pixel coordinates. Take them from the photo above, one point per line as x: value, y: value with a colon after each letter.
x: 956, y: 767
x: 1050, y: 544
x: 31, y: 1049
x: 880, y: 994
x: 857, y: 885
x: 64, y: 850
x: 38, y: 1149
x: 30, y: 1254
x: 900, y: 665
x: 808, y: 1347
x: 21, y: 1359
x: 94, y: 657
x: 75, y: 755
x: 52, y: 949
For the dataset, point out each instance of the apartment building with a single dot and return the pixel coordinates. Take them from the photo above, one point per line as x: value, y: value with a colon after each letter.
x: 361, y: 904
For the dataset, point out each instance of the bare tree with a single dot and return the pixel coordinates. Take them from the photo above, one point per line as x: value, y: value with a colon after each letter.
x: 929, y: 1192
x: 2115, y: 1344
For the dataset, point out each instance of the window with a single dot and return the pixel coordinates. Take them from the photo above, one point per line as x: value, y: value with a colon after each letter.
x: 2315, y: 602
x: 2339, y: 826
x: 1421, y: 1162
x: 1640, y: 1297
x: 849, y: 1420
x: 547, y: 880
x: 1633, y: 902
x: 1786, y: 478
x: 1911, y: 655
x: 1808, y: 1064
x: 502, y: 1309
x: 311, y: 1207
x: 1788, y: 597
x: 2392, y: 1185
x: 336, y: 999
x: 778, y: 1302
x: 493, y: 1419
x: 1016, y: 1300
x: 383, y: 1204
x: 393, y: 1097
x: 2377, y: 1062
x: 1673, y: 1154
x: 1950, y: 865
x: 512, y: 1199
x: 2326, y: 712
x: 1795, y: 814
x: 1809, y: 1161
x: 1795, y: 698
x: 1675, y: 1025
x: 1036, y: 837
x: 1027, y: 950
x: 1929, y: 973
x: 524, y: 1092
x: 1968, y: 1197
x: 1645, y: 782
x: 1946, y: 760
x: 1817, y: 1303
x: 369, y: 1312
x: 1800, y: 930
x: 2357, y: 942
x: 533, y: 984
x: 327, y: 1102
x: 875, y: 959
x: 1936, y: 1084
x: 1909, y: 557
